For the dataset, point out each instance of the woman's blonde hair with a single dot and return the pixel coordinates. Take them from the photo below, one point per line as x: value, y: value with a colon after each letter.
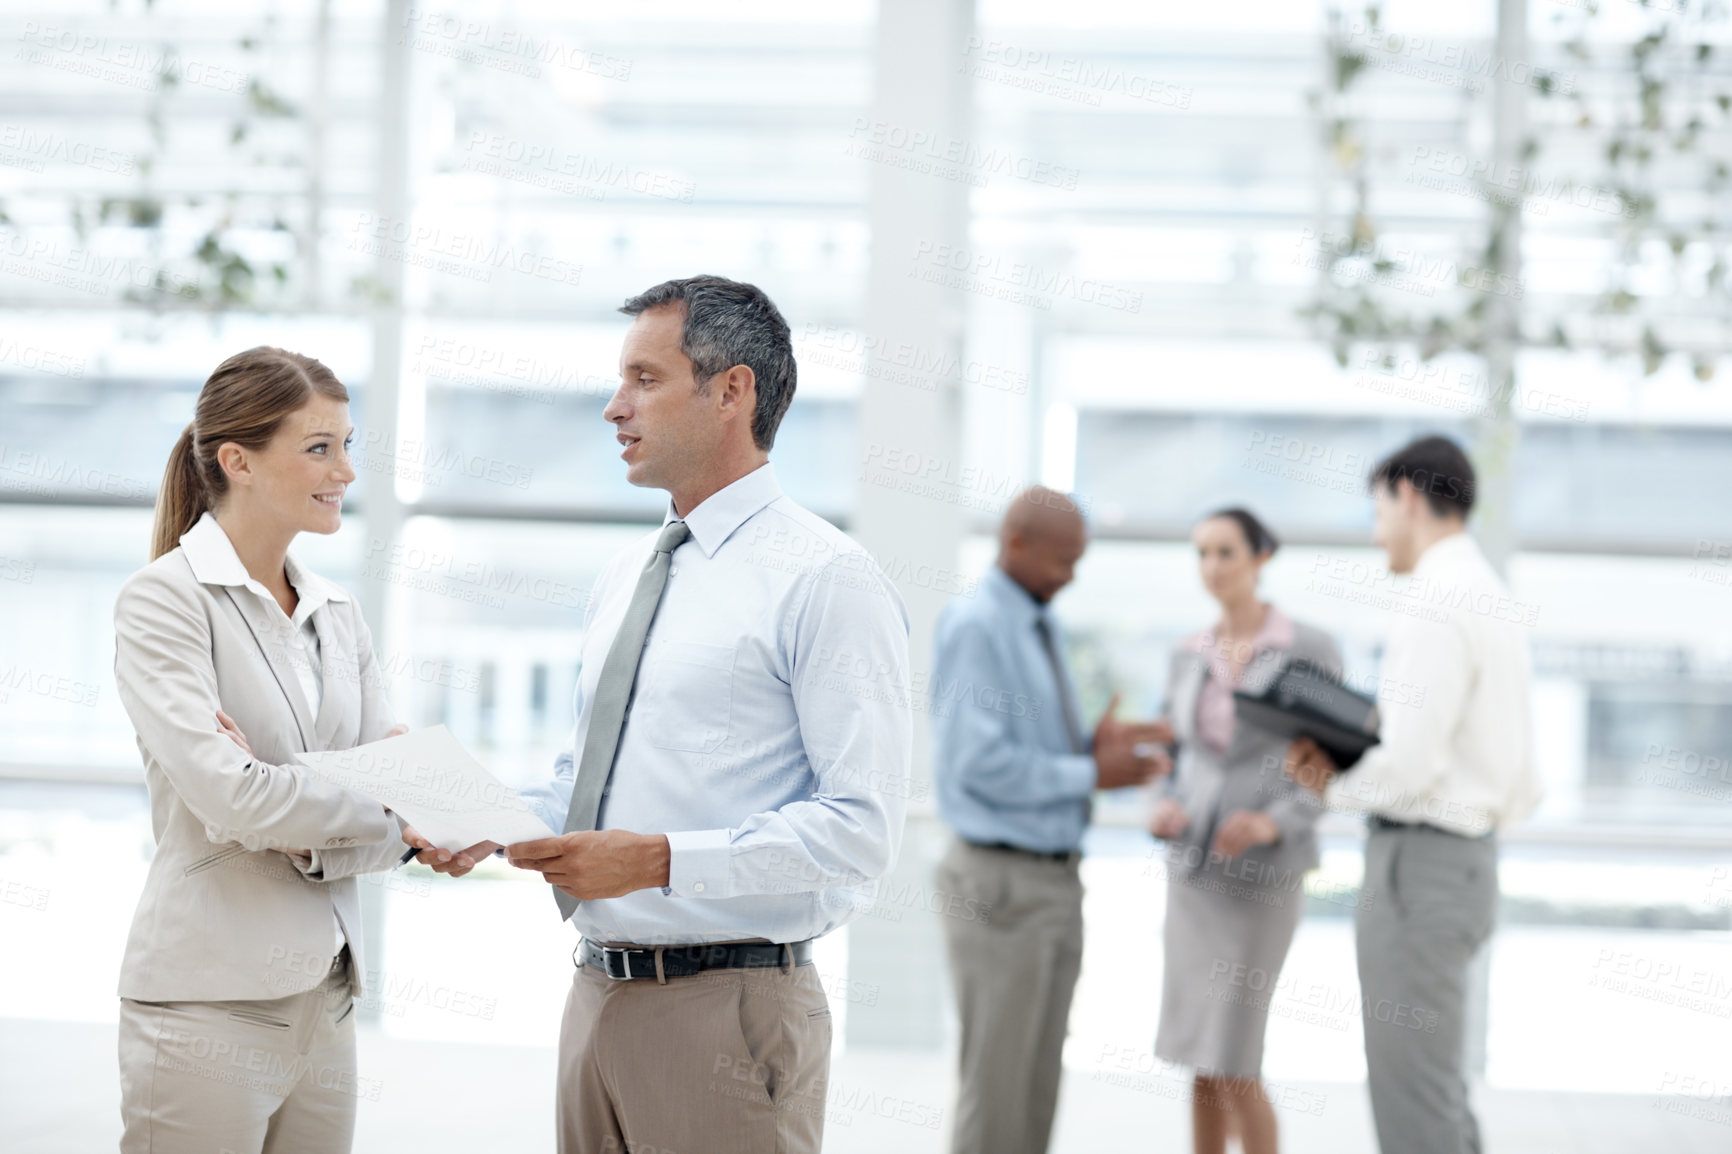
x: 245, y: 401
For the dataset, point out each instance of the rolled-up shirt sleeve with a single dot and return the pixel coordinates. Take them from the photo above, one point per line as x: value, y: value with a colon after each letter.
x: 847, y: 643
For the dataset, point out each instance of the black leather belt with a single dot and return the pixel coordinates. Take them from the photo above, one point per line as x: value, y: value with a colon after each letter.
x: 629, y: 962
x: 1378, y: 821
x: 1063, y: 855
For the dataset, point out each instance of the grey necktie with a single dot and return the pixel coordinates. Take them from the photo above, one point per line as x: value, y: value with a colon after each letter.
x: 1072, y: 727
x: 613, y: 692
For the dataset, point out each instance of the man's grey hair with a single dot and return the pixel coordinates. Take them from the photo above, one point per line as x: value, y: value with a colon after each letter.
x: 729, y: 323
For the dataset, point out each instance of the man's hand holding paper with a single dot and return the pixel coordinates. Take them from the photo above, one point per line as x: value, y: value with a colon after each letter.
x: 595, y: 864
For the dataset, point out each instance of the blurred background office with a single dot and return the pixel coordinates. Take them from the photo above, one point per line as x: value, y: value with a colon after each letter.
x: 1170, y: 256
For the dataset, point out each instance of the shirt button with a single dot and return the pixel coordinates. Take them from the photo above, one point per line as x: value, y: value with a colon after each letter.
x: 697, y: 887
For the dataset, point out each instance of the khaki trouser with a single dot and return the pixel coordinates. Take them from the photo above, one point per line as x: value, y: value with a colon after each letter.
x: 1014, y: 961
x: 721, y: 1062
x: 274, y: 1076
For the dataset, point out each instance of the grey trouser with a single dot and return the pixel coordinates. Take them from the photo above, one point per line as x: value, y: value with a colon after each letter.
x: 1430, y: 902
x: 273, y: 1076
x: 719, y: 1062
x: 1015, y: 945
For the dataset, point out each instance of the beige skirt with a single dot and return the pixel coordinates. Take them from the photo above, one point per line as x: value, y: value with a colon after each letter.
x: 1225, y: 943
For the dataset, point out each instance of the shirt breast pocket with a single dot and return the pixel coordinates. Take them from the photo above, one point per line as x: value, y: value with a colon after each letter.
x: 686, y: 702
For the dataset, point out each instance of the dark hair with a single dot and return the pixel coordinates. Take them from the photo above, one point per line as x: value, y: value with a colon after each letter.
x: 1257, y: 535
x: 1434, y: 466
x: 244, y: 402
x: 728, y: 323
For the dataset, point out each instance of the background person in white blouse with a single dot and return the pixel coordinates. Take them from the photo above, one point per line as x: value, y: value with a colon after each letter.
x: 245, y: 955
x: 1455, y: 765
x: 739, y: 770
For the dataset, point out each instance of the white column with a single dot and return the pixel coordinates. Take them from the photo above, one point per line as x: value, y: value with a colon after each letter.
x: 920, y: 87
x: 1496, y: 433
x: 383, y: 512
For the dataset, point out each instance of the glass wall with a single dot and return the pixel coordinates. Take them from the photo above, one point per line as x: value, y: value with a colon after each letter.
x: 447, y: 206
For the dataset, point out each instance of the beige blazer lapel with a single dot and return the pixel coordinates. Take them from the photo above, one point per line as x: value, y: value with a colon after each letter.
x: 276, y: 653
x: 335, y: 673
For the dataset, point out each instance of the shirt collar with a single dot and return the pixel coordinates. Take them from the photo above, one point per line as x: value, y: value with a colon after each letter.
x: 214, y: 562
x: 1276, y: 633
x: 719, y: 514
x: 1014, y: 596
x: 1444, y: 552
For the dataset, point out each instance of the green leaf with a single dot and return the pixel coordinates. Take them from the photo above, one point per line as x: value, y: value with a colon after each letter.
x: 265, y: 102
x: 1653, y: 352
x: 1348, y: 66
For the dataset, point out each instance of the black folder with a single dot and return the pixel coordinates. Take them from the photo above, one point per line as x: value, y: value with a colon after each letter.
x: 1304, y: 700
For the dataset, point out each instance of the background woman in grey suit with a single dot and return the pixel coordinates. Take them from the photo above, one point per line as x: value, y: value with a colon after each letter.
x: 245, y: 954
x: 1240, y: 840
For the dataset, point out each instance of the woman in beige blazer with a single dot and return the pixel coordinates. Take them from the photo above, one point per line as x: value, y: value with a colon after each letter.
x: 236, y: 1026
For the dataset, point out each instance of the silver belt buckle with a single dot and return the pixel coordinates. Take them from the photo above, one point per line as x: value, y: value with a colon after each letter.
x: 623, y: 953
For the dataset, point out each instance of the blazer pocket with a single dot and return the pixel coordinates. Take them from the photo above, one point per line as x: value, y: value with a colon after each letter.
x: 216, y: 858
x: 251, y: 1017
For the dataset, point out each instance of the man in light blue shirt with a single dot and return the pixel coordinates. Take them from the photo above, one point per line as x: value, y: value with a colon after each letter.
x: 1015, y: 774
x: 737, y: 776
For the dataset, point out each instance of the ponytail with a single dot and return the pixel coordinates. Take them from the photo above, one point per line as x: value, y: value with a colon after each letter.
x: 180, y: 503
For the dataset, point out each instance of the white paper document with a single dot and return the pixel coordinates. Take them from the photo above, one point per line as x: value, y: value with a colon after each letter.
x: 430, y: 779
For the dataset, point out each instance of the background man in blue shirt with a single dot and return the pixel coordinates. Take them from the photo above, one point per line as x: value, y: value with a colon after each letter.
x: 1015, y: 773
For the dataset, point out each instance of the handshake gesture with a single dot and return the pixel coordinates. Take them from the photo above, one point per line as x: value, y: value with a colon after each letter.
x: 1130, y: 752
